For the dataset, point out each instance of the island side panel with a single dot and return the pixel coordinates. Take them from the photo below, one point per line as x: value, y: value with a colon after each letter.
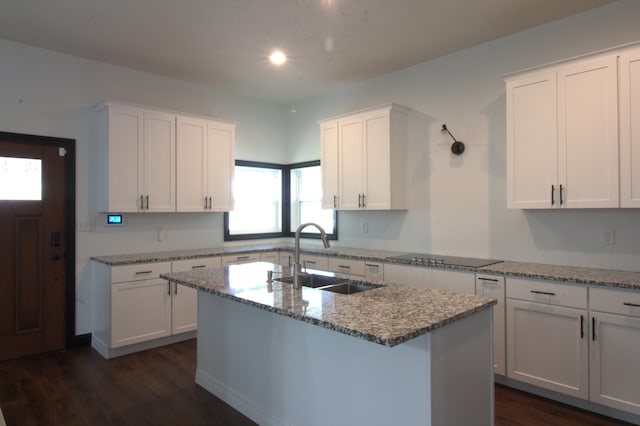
x: 462, y: 376
x: 329, y: 378
x: 236, y: 355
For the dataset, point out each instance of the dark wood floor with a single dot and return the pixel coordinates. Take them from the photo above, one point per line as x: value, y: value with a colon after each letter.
x: 156, y: 387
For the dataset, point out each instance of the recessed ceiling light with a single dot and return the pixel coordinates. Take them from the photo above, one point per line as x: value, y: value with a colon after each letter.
x: 277, y: 57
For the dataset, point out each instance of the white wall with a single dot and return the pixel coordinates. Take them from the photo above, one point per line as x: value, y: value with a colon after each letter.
x: 50, y: 94
x: 458, y: 204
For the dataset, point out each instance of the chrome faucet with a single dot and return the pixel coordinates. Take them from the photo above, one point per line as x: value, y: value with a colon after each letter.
x: 297, y: 267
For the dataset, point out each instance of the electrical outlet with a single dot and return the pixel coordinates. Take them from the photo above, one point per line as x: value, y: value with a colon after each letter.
x: 365, y: 227
x: 607, y: 236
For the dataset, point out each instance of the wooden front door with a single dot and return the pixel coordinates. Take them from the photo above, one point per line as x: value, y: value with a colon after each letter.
x: 32, y: 247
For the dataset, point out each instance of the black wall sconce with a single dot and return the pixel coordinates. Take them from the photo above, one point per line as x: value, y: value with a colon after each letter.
x: 457, y: 147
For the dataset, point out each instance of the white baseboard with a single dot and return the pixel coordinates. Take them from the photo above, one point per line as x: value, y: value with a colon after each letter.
x: 108, y: 353
x: 236, y: 400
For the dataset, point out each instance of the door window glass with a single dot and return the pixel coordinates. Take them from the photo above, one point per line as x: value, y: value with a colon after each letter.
x: 20, y: 178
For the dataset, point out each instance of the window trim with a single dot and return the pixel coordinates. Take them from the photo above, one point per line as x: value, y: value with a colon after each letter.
x: 286, y: 205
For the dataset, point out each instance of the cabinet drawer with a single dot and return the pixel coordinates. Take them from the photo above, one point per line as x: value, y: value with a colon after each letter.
x: 240, y: 258
x: 621, y: 302
x: 374, y: 271
x: 346, y: 266
x: 547, y: 292
x: 314, y: 262
x: 200, y: 263
x: 139, y: 271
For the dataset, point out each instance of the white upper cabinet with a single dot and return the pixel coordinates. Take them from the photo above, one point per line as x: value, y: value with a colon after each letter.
x: 329, y: 163
x: 562, y: 136
x: 629, y: 74
x: 532, y: 141
x: 156, y: 161
x: 136, y: 159
x: 205, y: 164
x: 588, y: 134
x: 221, y: 164
x: 369, y: 149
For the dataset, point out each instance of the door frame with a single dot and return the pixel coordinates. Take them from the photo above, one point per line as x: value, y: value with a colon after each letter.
x: 71, y: 340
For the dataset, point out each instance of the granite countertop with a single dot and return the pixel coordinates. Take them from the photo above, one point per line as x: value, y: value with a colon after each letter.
x: 581, y: 275
x: 574, y: 274
x: 388, y: 315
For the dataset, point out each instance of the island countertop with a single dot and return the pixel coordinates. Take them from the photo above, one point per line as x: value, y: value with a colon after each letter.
x: 388, y: 315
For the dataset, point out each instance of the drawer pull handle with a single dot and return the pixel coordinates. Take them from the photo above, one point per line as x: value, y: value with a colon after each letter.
x: 635, y: 305
x: 494, y: 280
x: 371, y: 265
x: 344, y: 266
x: 242, y: 257
x: 311, y: 262
x: 143, y: 272
x: 548, y: 293
x: 198, y: 266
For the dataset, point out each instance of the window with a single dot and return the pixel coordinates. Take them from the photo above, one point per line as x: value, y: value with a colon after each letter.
x: 257, y: 193
x: 272, y: 200
x: 20, y: 178
x: 306, y: 200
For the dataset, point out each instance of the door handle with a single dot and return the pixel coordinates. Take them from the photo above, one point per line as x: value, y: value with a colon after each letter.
x: 56, y: 256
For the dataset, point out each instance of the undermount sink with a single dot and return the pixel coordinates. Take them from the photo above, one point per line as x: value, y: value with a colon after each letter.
x: 312, y: 280
x: 350, y: 287
x: 328, y: 283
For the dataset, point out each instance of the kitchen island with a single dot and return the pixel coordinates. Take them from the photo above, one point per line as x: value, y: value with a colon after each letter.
x: 389, y: 355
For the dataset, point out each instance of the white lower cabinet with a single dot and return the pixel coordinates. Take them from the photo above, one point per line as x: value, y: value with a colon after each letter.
x: 615, y: 348
x: 236, y: 259
x: 547, y: 336
x: 310, y: 261
x: 270, y: 256
x: 184, y: 300
x: 373, y: 271
x: 492, y: 286
x: 141, y: 311
x: 440, y: 278
x: 135, y: 310
x: 347, y: 266
x: 140, y: 303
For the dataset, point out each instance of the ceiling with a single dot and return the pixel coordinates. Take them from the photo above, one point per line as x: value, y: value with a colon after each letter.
x: 225, y: 43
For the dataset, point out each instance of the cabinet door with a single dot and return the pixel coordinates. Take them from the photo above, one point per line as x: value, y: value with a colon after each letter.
x: 159, y: 159
x: 377, y: 164
x: 191, y: 164
x: 329, y: 164
x: 220, y: 155
x: 629, y: 71
x: 615, y: 368
x: 350, y: 163
x: 184, y: 300
x: 493, y: 287
x: 547, y: 347
x: 184, y: 309
x: 140, y: 311
x: 588, y: 134
x: 531, y: 141
x: 124, y: 145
